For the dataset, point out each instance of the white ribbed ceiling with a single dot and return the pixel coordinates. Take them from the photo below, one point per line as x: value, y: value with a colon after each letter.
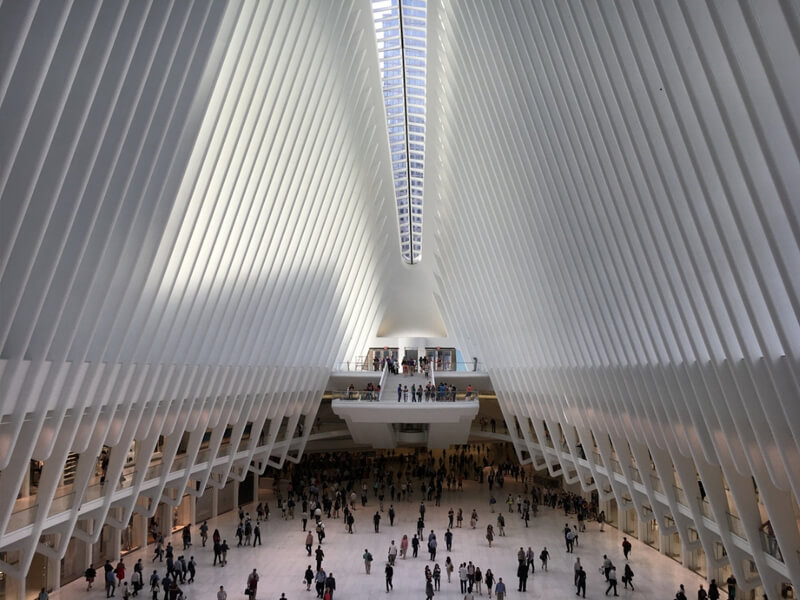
x: 629, y: 175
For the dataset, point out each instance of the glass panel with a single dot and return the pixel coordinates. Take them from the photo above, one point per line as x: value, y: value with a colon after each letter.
x: 400, y: 31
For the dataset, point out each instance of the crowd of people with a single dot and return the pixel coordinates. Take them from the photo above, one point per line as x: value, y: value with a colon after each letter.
x: 325, y: 488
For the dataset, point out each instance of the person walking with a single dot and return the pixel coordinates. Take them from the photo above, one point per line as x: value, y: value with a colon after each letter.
x: 319, y: 555
x: 367, y: 561
x: 389, y: 573
x: 489, y: 534
x: 204, y: 533
x: 612, y: 580
x: 376, y: 520
x: 90, y: 573
x: 308, y: 577
x: 222, y: 594
x: 627, y: 577
x: 428, y: 589
x: 319, y: 582
x: 713, y: 590
x: 256, y: 534
x: 462, y: 577
x: 414, y: 546
x: 309, y: 542
x: 488, y: 579
x: 580, y: 582
x: 544, y: 556
x: 626, y: 547
x: 252, y: 584
x: 392, y: 554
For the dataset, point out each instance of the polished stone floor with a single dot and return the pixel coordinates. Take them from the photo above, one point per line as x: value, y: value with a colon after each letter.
x: 282, y: 560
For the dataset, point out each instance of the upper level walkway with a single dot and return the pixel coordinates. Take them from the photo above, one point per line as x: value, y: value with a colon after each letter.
x: 398, y: 416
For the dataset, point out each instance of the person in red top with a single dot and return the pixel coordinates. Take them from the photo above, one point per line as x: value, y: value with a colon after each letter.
x: 120, y: 571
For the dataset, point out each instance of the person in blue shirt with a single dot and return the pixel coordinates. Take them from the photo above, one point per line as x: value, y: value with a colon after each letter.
x: 500, y: 589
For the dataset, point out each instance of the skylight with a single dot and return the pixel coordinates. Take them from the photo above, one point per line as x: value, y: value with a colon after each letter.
x: 400, y: 27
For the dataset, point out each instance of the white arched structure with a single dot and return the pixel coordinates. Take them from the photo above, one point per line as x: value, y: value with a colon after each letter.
x: 197, y: 221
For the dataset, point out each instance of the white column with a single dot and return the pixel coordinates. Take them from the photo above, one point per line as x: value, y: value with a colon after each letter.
x: 53, y: 574
x: 114, y: 542
x: 192, y: 509
x: 25, y: 490
x: 214, y: 502
x: 88, y: 547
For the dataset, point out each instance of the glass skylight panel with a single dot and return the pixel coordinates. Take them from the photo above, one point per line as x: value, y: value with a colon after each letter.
x: 400, y: 29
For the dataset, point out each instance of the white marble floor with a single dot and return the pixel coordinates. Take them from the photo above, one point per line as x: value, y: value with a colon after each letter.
x: 282, y: 560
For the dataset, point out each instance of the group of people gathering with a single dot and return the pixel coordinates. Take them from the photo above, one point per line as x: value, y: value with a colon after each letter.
x: 334, y: 486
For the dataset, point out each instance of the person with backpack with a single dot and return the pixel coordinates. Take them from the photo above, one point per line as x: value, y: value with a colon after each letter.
x: 367, y: 560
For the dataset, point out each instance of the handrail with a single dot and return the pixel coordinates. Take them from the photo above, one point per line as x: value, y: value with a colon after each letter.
x: 384, y: 375
x: 460, y: 367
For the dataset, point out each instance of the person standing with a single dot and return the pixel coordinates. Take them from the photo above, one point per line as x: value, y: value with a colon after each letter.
x: 222, y: 594
x: 701, y: 593
x: 392, y: 553
x: 500, y: 589
x: 713, y: 590
x: 450, y: 515
x: 256, y: 534
x: 731, y: 581
x: 580, y: 582
x: 437, y: 578
x: 612, y: 580
x: 522, y: 574
x: 309, y: 542
x: 489, y: 534
x: 319, y: 555
x: 448, y: 540
x: 367, y: 561
x: 376, y: 520
x: 428, y: 589
x: 391, y: 515
x: 389, y: 572
x: 414, y: 546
